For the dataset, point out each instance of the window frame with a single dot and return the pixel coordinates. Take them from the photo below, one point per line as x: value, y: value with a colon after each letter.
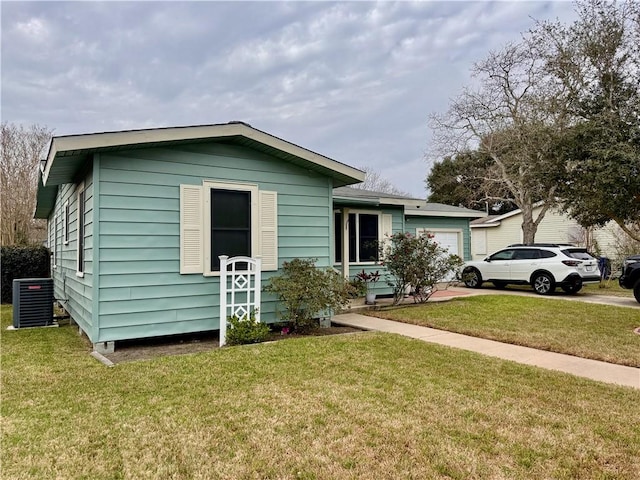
x: 356, y: 226
x: 209, y: 185
x: 65, y: 222
x: 54, y: 250
x: 80, y: 230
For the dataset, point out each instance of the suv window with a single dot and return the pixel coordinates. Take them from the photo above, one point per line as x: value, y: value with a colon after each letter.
x: 578, y: 253
x: 547, y: 254
x: 502, y: 255
x: 526, y: 254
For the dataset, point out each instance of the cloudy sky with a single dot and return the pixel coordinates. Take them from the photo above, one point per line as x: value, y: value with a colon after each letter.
x: 355, y: 81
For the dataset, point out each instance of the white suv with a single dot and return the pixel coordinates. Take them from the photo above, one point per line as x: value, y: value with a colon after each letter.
x: 543, y: 266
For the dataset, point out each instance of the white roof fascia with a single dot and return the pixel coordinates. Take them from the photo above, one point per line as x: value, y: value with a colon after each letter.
x: 485, y: 225
x: 516, y: 212
x: 137, y: 137
x: 427, y: 213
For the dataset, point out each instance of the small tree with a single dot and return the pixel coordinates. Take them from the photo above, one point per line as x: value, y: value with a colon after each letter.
x: 416, y: 261
x: 307, y: 291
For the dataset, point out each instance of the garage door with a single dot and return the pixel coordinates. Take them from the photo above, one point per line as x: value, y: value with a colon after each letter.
x: 448, y: 240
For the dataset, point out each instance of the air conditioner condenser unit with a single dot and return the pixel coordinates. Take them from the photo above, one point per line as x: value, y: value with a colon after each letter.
x: 32, y: 302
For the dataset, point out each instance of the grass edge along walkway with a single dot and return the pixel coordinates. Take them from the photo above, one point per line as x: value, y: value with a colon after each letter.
x: 583, y: 367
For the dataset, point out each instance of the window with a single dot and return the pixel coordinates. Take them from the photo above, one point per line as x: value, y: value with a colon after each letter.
x: 502, y: 255
x: 367, y: 237
x: 526, y: 254
x: 65, y: 222
x: 226, y: 219
x: 230, y: 225
x: 54, y: 247
x: 363, y: 235
x: 80, y: 230
x: 579, y: 253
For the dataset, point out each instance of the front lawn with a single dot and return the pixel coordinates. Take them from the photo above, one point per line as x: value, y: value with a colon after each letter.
x: 600, y: 332
x: 356, y: 406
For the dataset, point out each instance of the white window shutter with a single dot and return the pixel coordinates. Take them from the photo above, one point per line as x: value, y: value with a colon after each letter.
x: 191, y: 221
x: 269, y: 230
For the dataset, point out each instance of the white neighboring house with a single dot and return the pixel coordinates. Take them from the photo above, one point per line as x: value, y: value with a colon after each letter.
x: 494, y: 232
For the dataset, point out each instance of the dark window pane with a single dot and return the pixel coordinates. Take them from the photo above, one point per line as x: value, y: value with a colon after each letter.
x: 230, y: 225
x: 579, y: 253
x: 526, y: 254
x: 337, y: 223
x: 502, y: 255
x: 368, y: 237
x: 230, y: 209
x: 81, y: 232
x: 352, y: 237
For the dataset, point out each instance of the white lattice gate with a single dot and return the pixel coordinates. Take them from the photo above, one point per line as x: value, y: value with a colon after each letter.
x: 239, y: 290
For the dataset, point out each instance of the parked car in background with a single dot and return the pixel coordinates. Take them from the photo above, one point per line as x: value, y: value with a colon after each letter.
x: 630, y: 276
x: 543, y: 266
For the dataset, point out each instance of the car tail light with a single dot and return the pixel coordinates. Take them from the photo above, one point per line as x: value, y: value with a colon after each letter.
x: 572, y: 263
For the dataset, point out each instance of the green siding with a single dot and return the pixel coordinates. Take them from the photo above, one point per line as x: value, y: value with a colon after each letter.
x: 142, y: 293
x: 74, y: 293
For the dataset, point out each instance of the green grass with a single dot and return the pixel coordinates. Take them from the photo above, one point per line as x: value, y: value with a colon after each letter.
x: 344, y: 407
x: 599, y: 332
x: 608, y: 287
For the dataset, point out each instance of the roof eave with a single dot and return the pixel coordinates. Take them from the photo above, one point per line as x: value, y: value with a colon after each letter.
x: 431, y: 213
x: 341, y: 173
x: 45, y: 200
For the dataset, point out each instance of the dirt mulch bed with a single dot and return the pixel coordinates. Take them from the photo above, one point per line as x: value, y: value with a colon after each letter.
x: 149, y: 348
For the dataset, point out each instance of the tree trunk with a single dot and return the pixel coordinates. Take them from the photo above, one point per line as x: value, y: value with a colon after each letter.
x: 529, y: 227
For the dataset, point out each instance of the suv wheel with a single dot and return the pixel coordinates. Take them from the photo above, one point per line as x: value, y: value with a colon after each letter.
x: 636, y: 291
x: 543, y: 283
x: 571, y: 288
x: 472, y: 278
x: 574, y: 287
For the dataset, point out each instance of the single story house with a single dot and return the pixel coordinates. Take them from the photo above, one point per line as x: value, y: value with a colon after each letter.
x: 494, y: 232
x: 362, y: 218
x: 137, y: 221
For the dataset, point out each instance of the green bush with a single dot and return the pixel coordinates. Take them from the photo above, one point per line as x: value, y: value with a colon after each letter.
x: 307, y: 292
x: 358, y: 288
x: 22, y: 262
x: 250, y: 330
x: 416, y: 261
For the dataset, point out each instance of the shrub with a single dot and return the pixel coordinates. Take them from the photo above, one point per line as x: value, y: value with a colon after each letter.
x: 22, y: 262
x: 368, y: 278
x: 358, y: 287
x: 308, y: 291
x: 246, y: 330
x: 416, y: 261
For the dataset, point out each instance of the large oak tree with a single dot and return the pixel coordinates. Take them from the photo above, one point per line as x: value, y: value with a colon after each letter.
x: 596, y: 61
x: 514, y: 118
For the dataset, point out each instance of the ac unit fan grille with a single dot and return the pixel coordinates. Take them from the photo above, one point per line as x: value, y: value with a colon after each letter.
x: 32, y: 302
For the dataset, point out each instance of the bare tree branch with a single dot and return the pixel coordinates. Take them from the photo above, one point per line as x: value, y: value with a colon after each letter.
x: 19, y: 172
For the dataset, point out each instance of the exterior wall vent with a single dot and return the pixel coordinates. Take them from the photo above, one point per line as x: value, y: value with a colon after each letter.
x: 32, y: 302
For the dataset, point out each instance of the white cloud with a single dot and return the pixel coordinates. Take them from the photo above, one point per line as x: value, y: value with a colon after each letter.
x: 351, y: 80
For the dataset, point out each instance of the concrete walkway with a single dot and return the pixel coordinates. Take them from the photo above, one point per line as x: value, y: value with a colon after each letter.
x: 582, y: 367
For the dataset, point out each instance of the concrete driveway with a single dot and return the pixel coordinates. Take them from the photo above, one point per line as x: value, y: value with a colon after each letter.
x: 581, y: 297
